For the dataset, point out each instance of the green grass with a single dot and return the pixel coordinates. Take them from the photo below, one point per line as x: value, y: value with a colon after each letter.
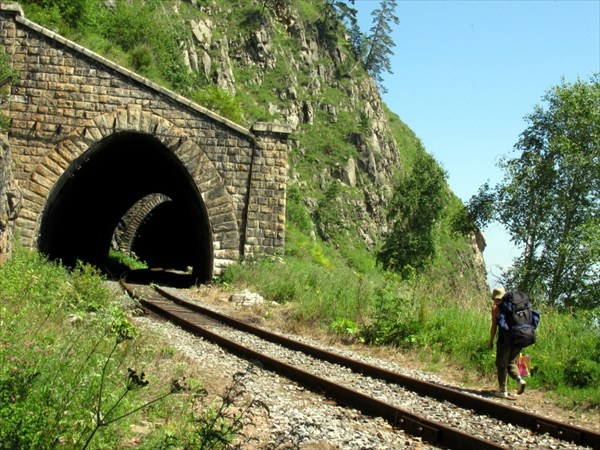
x: 439, y: 326
x: 75, y: 372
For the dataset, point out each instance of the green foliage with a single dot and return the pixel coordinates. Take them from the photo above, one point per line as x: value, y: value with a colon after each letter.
x: 68, y: 359
x: 478, y: 212
x: 376, y: 47
x: 216, y: 99
x: 58, y: 13
x: 141, y: 58
x: 295, y: 210
x: 582, y: 373
x: 6, y: 70
x: 126, y: 262
x: 559, y: 155
x: 324, y: 146
x: 395, y: 319
x: 415, y: 209
x: 315, y: 288
x: 133, y: 28
x: 565, y: 368
x: 50, y: 346
x: 131, y: 23
x: 29, y: 278
x: 48, y: 16
x: 328, y: 218
x: 7, y: 75
x: 337, y: 16
x: 344, y: 327
x: 4, y: 123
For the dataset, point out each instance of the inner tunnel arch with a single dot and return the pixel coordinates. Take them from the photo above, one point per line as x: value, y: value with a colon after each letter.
x: 97, y: 189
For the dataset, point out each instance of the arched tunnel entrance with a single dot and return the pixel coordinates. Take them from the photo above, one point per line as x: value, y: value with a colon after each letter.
x: 90, y: 198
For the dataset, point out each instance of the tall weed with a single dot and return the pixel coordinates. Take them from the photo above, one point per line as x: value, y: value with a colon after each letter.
x: 74, y: 372
x: 380, y: 310
x: 318, y: 292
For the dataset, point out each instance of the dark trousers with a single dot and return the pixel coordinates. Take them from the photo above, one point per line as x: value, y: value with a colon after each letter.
x: 507, y: 358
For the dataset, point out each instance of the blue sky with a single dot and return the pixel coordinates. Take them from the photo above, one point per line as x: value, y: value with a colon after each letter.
x: 465, y: 73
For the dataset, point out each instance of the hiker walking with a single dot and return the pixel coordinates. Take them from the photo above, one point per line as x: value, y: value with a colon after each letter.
x: 507, y: 350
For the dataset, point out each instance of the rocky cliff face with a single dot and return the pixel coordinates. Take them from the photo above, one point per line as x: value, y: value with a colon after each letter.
x: 322, y: 81
x: 320, y: 86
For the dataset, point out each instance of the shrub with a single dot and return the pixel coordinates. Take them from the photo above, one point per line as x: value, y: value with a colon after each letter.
x: 141, y: 57
x: 216, y: 99
x: 395, y: 318
x: 344, y: 327
x: 58, y: 12
x: 296, y: 212
x: 582, y: 373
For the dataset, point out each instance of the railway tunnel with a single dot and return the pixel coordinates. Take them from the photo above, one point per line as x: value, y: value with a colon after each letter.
x: 91, y: 197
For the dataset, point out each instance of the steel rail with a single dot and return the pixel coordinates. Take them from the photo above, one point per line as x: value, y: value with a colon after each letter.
x: 532, y: 421
x: 413, y: 424
x: 535, y: 422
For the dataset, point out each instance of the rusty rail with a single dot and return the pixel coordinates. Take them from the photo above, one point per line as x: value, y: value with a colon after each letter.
x: 415, y: 425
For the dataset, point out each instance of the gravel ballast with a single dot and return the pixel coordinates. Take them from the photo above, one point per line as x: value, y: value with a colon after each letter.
x: 299, y: 418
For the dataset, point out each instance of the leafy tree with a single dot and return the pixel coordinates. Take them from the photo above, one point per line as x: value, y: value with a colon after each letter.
x: 476, y: 214
x: 549, y: 199
x: 415, y: 209
x: 377, y: 46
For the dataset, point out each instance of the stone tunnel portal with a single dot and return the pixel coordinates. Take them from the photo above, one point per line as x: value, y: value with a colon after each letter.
x: 90, y: 198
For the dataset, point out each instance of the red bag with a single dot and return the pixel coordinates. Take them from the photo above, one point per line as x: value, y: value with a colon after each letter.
x: 524, y: 364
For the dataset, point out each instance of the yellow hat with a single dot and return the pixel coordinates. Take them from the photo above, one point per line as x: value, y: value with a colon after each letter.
x: 498, y: 293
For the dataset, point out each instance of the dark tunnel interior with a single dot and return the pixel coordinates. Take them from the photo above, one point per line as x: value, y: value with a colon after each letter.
x: 87, y: 203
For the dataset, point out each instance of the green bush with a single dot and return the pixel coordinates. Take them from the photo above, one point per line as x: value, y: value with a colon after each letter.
x: 56, y: 13
x: 395, y: 319
x: 582, y: 373
x: 131, y: 24
x: 296, y: 212
x: 141, y: 57
x: 55, y: 357
x: 344, y: 327
x: 216, y: 99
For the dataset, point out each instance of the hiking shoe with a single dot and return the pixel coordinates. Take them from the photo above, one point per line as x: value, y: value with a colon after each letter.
x: 521, y: 387
x: 501, y: 394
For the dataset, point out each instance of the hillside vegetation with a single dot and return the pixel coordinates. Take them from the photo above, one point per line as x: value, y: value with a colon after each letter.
x: 290, y: 61
x: 330, y: 276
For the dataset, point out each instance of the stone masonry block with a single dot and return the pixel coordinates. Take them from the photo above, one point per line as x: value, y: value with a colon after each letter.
x: 79, y: 97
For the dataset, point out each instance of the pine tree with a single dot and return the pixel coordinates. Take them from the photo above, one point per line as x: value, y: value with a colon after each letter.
x: 379, y: 43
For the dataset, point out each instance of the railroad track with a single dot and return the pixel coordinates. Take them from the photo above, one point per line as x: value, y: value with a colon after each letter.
x: 210, y: 324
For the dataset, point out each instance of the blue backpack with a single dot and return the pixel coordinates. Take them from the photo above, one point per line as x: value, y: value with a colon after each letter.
x: 517, y: 320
